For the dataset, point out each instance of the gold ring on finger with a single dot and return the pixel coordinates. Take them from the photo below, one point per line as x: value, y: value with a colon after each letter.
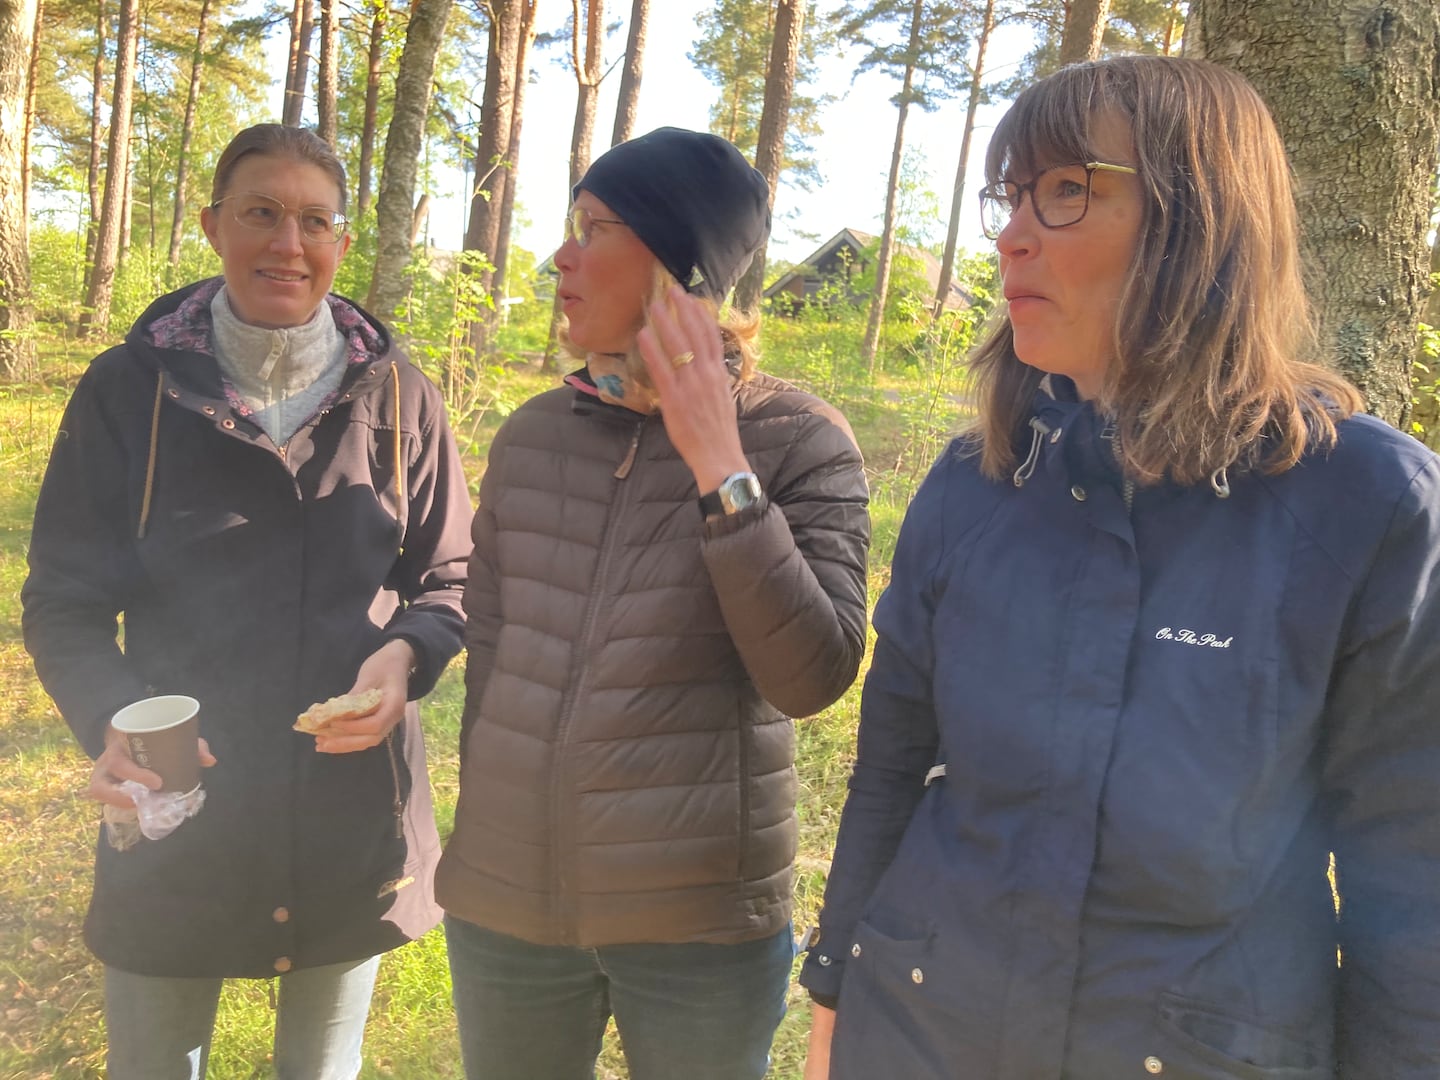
x: 683, y: 359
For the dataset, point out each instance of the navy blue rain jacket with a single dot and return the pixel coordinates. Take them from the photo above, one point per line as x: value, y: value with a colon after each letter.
x: 1157, y: 723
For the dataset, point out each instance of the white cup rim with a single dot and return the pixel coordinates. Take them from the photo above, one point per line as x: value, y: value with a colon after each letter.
x: 173, y: 710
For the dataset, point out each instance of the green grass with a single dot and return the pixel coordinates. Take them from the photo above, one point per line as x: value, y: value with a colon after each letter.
x: 50, y: 987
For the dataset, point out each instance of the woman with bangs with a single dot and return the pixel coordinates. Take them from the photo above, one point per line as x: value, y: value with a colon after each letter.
x: 669, y: 565
x: 1149, y: 735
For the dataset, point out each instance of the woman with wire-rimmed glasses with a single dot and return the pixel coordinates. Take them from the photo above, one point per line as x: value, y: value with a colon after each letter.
x: 1162, y: 638
x: 268, y: 493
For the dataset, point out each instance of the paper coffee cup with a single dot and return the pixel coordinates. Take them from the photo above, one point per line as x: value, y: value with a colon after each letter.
x: 164, y: 737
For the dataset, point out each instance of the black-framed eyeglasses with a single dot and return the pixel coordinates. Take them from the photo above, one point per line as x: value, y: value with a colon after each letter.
x: 263, y: 213
x: 578, y: 222
x: 1060, y: 196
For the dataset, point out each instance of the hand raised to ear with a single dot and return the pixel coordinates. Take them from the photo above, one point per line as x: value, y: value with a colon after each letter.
x: 683, y: 352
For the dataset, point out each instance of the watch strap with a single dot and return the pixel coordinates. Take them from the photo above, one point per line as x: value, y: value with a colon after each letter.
x: 710, y: 504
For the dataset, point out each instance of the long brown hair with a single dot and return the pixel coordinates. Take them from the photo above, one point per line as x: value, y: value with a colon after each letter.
x: 1213, y: 318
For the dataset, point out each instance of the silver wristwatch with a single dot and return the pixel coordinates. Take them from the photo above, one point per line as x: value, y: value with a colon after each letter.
x: 735, y: 493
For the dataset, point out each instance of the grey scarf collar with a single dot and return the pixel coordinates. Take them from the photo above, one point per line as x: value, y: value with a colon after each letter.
x: 283, y: 375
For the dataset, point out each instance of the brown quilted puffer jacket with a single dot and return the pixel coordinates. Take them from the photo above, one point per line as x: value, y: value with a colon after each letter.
x: 627, y: 754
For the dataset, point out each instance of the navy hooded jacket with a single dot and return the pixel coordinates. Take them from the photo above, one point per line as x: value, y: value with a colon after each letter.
x: 1157, y: 722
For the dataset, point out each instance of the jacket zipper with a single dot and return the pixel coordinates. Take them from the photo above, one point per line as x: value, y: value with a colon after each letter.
x: 562, y: 790
x: 399, y: 804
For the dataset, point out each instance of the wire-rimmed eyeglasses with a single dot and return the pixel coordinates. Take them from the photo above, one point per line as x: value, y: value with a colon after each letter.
x: 1060, y: 196
x: 578, y: 222
x: 263, y: 213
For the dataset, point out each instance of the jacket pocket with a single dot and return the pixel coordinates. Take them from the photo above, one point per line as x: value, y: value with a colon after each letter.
x: 1230, y: 1046
x: 909, y: 1008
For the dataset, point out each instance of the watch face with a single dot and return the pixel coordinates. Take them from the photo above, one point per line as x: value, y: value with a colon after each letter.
x: 740, y: 491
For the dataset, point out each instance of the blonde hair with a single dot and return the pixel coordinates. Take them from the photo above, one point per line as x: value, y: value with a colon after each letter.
x: 1214, y: 316
x: 739, y: 333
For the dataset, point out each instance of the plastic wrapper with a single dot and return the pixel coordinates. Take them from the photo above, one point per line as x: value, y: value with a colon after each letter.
x: 156, y: 814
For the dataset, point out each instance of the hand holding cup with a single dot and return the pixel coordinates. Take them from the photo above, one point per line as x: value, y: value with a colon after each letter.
x: 154, y: 742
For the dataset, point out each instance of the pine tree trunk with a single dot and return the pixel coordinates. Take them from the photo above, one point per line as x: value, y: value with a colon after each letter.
x: 1355, y: 95
x: 95, y: 319
x: 376, y: 57
x: 187, y: 132
x: 871, y: 346
x: 32, y: 80
x: 770, y: 143
x: 587, y: 81
x: 492, y: 173
x: 127, y: 205
x: 92, y: 170
x: 328, y: 82
x: 302, y: 25
x: 629, y: 102
x: 1084, y: 28
x: 1174, y: 24
x: 17, y: 317
x: 393, y: 213
x: 499, y: 286
x: 957, y: 195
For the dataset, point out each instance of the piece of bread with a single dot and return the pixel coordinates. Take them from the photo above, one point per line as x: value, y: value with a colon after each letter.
x: 345, y: 707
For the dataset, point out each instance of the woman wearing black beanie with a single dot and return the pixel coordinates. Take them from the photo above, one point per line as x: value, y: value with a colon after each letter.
x: 669, y: 565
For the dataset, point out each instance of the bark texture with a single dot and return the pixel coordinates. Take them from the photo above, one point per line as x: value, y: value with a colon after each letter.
x: 297, y: 72
x: 957, y: 194
x: 499, y: 286
x: 492, y: 172
x: 17, y: 319
x: 1355, y: 90
x: 187, y: 132
x: 1084, y: 28
x: 587, y: 61
x: 31, y: 81
x: 628, y: 104
x: 774, y: 116
x: 375, y: 60
x: 96, y: 317
x: 328, y: 82
x: 871, y: 345
x: 97, y: 102
x: 393, y: 213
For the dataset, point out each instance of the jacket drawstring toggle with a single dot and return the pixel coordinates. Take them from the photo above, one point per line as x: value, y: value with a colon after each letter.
x: 1038, y: 430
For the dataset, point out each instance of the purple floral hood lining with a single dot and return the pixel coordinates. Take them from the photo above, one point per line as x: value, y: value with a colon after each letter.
x: 189, y: 328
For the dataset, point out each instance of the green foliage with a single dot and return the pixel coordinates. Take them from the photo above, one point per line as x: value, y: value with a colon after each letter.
x: 940, y: 53
x: 445, y: 297
x: 57, y: 275
x: 1134, y: 26
x: 733, y: 52
x: 1425, y: 414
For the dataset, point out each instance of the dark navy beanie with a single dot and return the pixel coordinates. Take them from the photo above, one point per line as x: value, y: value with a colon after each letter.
x: 692, y: 198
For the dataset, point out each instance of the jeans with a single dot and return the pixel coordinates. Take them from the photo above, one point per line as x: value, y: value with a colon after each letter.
x: 160, y: 1028
x: 685, y: 1012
